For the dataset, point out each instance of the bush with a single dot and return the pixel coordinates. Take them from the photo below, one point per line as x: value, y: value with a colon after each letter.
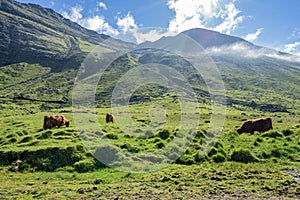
x: 219, y: 158
x: 85, y: 165
x: 130, y: 148
x: 200, y: 157
x: 279, y: 152
x: 164, y: 134
x: 186, y: 160
x: 160, y: 145
x: 287, y: 132
x: 242, y: 155
x: 213, y: 151
x: 112, y: 136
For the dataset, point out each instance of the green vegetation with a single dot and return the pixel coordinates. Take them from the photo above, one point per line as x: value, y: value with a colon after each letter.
x: 62, y: 153
x: 62, y: 163
x: 231, y: 165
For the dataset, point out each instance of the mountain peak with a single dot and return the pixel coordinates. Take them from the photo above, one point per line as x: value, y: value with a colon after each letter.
x: 209, y: 38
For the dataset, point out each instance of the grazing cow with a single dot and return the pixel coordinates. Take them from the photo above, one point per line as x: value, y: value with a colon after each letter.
x: 260, y: 125
x: 110, y: 118
x: 55, y: 120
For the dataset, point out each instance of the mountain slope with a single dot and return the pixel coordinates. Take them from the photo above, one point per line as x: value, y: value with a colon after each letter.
x: 33, y: 34
x: 252, y: 74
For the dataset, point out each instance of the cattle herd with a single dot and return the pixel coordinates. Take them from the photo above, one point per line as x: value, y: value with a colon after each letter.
x: 249, y: 126
x: 51, y: 121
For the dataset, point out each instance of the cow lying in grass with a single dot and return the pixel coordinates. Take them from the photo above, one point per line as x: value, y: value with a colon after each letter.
x: 260, y: 125
x: 110, y: 118
x: 52, y: 121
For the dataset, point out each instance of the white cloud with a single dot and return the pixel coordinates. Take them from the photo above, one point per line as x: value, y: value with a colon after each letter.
x: 102, y: 5
x: 231, y: 19
x: 253, y: 36
x: 96, y: 23
x: 75, y: 14
x: 250, y: 52
x: 151, y: 35
x: 219, y: 15
x: 127, y: 23
x: 293, y: 48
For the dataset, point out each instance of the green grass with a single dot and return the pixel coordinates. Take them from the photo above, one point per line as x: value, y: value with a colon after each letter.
x: 57, y: 157
x: 203, y: 181
x: 61, y: 155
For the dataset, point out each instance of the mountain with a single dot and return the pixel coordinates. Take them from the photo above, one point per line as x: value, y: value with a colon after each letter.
x: 40, y: 54
x: 33, y: 34
x: 254, y: 76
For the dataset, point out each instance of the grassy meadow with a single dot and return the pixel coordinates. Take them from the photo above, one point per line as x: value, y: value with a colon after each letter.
x: 149, y: 159
x: 58, y: 163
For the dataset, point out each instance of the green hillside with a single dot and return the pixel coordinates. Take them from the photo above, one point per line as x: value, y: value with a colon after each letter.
x: 148, y: 154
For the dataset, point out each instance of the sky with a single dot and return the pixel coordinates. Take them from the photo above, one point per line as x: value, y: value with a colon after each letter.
x: 270, y: 23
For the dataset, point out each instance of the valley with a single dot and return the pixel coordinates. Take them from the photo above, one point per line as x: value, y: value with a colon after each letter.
x: 177, y: 102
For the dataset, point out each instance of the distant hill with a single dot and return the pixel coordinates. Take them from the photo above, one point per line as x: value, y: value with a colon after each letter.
x: 254, y: 76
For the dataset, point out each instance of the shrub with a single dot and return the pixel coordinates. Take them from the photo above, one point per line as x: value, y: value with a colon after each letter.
x: 287, y: 132
x: 219, y: 158
x: 213, y: 151
x: 186, y: 160
x: 130, y: 148
x: 160, y: 145
x: 242, y: 155
x: 200, y: 157
x: 279, y: 152
x: 85, y: 165
x: 112, y: 136
x: 164, y: 134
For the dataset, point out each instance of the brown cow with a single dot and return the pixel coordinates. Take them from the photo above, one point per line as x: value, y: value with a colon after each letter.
x: 55, y: 120
x: 110, y: 118
x: 260, y: 125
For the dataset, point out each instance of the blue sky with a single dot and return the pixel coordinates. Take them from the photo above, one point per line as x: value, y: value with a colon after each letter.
x: 270, y: 23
